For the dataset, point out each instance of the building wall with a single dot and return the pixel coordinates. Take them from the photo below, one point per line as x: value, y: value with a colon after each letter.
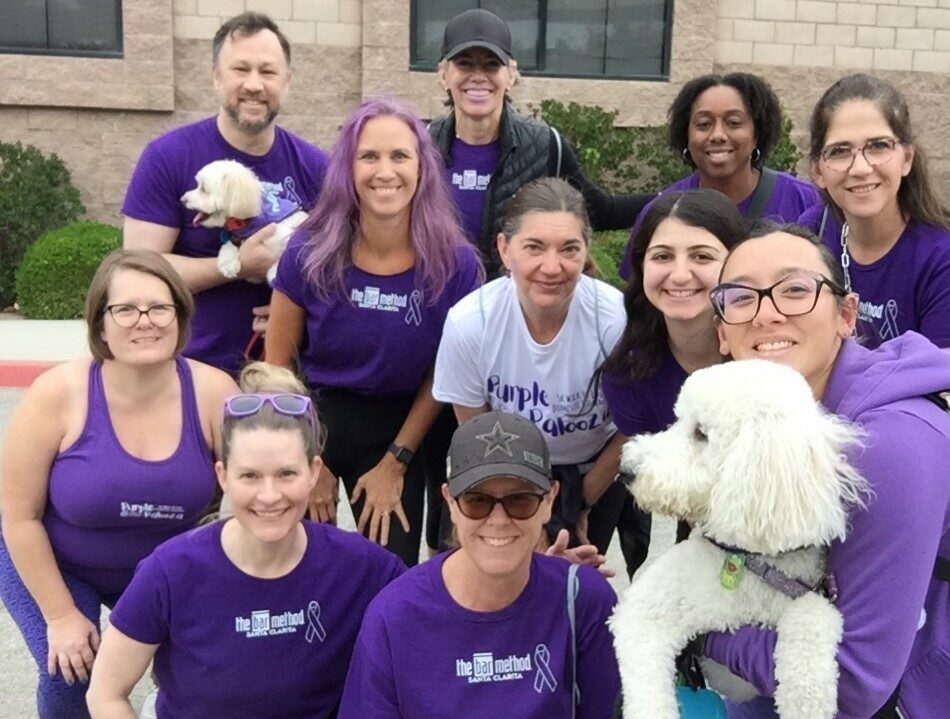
x: 98, y: 114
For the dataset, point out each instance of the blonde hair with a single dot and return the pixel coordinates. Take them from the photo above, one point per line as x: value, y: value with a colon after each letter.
x: 264, y: 378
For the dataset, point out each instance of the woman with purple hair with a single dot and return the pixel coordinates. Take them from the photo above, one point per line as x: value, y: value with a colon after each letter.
x: 359, y: 301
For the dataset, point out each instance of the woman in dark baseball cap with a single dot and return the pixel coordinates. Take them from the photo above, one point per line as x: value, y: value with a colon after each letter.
x: 490, y: 150
x: 488, y: 630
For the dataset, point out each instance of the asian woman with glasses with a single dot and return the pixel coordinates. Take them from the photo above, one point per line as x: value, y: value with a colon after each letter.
x: 884, y: 222
x: 782, y: 298
x: 103, y: 460
x: 267, y: 628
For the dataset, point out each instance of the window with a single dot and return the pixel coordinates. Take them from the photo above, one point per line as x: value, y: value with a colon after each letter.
x: 567, y: 38
x: 61, y: 27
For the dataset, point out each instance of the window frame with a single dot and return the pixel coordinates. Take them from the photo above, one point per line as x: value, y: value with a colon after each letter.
x: 65, y: 52
x: 663, y: 76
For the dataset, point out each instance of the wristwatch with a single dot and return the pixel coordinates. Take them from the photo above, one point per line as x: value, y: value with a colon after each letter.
x: 401, y: 453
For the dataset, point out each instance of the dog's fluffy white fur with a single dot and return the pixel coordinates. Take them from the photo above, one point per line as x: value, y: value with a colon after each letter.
x: 226, y: 189
x: 753, y: 462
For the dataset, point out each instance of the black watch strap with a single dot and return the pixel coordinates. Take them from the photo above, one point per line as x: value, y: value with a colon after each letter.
x: 401, y: 453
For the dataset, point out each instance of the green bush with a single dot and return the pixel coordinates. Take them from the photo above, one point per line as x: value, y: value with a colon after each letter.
x: 607, y: 249
x: 35, y: 196
x: 54, y: 276
x: 634, y: 159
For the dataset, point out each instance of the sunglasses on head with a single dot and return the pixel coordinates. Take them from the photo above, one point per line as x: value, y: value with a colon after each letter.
x: 517, y: 505
x: 291, y: 405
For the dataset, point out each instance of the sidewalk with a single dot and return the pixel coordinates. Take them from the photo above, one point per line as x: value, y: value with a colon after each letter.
x: 29, y: 347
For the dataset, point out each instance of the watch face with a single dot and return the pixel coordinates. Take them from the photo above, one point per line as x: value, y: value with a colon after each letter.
x: 401, y: 453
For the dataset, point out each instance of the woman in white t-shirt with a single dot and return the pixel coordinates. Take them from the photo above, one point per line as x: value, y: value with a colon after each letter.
x: 529, y: 343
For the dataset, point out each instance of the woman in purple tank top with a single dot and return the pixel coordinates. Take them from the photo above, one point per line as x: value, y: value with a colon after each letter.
x: 103, y: 460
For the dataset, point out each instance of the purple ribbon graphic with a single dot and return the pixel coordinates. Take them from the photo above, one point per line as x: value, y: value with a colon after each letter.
x: 314, y: 627
x: 544, y: 676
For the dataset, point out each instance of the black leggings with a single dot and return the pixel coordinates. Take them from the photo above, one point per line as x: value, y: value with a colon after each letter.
x: 360, y: 429
x: 435, y: 450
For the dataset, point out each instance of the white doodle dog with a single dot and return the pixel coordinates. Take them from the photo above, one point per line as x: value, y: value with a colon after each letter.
x: 753, y: 464
x: 230, y: 196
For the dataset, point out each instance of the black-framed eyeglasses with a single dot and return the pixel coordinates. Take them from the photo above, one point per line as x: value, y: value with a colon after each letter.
x: 517, y: 505
x: 791, y: 296
x: 840, y: 158
x: 127, y: 316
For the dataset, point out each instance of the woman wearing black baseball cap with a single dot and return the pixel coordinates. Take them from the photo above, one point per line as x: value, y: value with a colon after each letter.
x: 490, y: 150
x: 493, y: 628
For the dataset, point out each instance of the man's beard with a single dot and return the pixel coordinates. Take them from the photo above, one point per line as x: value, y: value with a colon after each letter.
x: 250, y: 127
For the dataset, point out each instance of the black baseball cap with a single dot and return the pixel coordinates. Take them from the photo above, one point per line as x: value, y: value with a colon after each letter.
x: 477, y: 28
x: 498, y: 444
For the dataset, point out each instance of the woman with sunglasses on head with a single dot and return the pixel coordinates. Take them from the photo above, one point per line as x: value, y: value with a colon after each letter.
x: 725, y: 127
x: 782, y: 298
x: 103, y: 460
x: 491, y: 150
x: 670, y: 332
x: 360, y: 297
x: 529, y: 343
x: 488, y: 630
x: 269, y: 628
x: 884, y: 222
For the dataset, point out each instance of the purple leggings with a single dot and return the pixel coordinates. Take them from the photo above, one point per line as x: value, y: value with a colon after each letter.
x: 55, y: 699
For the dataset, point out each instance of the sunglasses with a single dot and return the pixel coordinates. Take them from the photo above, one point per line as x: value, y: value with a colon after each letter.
x: 291, y: 405
x: 518, y: 505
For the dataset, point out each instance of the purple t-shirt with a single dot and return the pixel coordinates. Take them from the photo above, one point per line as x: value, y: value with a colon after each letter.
x: 468, y: 176
x: 107, y: 509
x: 420, y: 654
x: 237, y: 646
x: 645, y: 405
x: 382, y: 338
x: 906, y: 289
x: 292, y: 169
x: 790, y: 197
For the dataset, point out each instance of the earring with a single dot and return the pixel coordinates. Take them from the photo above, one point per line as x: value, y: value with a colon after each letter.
x: 723, y: 350
x: 756, y: 155
x: 686, y: 156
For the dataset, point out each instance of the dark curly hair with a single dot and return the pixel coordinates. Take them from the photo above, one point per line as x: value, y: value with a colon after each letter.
x: 760, y: 100
x: 639, y: 352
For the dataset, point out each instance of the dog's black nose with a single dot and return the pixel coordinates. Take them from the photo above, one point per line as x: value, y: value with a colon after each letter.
x: 627, y: 479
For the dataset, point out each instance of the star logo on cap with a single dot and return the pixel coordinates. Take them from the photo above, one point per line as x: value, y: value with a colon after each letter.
x: 498, y: 439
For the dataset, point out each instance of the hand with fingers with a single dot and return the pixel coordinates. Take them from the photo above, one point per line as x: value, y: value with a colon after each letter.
x: 584, y: 554
x: 323, y: 497
x: 257, y: 255
x: 72, y: 642
x: 382, y: 486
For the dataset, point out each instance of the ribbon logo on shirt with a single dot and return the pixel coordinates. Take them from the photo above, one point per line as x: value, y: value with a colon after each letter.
x: 889, y: 331
x: 414, y: 313
x: 544, y: 677
x: 314, y: 627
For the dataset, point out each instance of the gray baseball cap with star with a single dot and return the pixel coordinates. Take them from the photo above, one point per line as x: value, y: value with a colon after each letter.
x: 498, y: 444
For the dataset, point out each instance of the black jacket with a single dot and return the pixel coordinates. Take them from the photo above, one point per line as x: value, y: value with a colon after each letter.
x: 529, y: 150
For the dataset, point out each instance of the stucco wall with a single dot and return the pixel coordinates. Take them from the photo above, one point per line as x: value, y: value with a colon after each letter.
x: 98, y: 114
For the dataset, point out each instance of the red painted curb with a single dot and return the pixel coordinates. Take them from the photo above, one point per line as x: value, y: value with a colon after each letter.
x: 21, y: 373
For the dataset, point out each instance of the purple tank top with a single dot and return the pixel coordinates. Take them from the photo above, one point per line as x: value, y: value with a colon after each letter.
x: 107, y: 510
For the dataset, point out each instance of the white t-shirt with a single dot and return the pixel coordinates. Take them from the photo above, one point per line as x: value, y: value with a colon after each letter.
x: 487, y: 356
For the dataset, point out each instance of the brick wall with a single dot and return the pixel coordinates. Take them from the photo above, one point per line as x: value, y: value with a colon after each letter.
x: 98, y: 114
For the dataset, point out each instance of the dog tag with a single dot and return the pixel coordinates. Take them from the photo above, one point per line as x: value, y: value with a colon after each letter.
x: 733, y: 567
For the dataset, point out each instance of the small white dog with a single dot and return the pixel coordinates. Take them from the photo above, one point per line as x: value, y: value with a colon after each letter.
x: 230, y: 196
x: 758, y: 469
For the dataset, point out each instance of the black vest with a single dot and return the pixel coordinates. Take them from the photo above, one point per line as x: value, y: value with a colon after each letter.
x: 524, y: 155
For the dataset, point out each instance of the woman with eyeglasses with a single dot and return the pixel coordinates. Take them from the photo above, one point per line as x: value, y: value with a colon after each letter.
x: 529, y: 343
x: 491, y: 629
x: 255, y: 616
x: 884, y: 222
x: 670, y: 333
x: 725, y: 127
x: 360, y: 298
x: 782, y: 298
x: 103, y: 460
